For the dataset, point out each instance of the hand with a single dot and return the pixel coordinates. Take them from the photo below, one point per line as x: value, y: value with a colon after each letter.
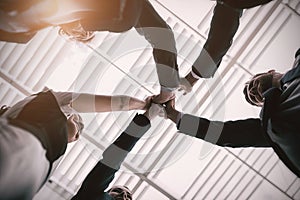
x: 186, y: 84
x: 170, y: 107
x: 148, y: 102
x: 163, y: 97
x: 131, y: 103
x: 171, y: 112
x: 155, y: 110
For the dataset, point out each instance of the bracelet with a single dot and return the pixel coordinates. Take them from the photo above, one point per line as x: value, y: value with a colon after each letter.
x: 195, y: 75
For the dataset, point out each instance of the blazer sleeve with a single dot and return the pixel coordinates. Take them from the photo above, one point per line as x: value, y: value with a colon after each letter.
x: 239, y: 133
x: 223, y: 26
x: 161, y: 37
x: 103, y: 173
x: 18, y: 5
x: 245, y: 4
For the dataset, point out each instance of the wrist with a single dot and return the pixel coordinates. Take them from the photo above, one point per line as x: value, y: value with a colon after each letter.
x: 174, y: 115
x: 166, y: 89
x: 191, y: 79
x: 135, y: 104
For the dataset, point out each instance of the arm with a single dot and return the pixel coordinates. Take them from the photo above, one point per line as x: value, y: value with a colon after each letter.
x: 83, y: 102
x: 103, y: 173
x: 224, y: 25
x: 100, y: 103
x: 161, y: 37
x: 240, y: 133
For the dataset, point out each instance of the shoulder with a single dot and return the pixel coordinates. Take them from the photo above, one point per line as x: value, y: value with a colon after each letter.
x: 16, y: 108
x: 65, y: 98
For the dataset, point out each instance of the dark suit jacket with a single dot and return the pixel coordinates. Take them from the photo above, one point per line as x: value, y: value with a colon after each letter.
x: 138, y: 14
x: 245, y: 3
x: 142, y: 16
x: 278, y: 126
x: 224, y: 24
x: 103, y: 173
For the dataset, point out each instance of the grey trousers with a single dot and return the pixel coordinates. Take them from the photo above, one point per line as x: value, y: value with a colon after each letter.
x: 23, y: 163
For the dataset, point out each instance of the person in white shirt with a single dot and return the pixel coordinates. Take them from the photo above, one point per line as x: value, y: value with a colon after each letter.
x: 35, y: 131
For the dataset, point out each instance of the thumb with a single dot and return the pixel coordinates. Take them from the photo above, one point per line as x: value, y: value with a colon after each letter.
x: 170, y: 104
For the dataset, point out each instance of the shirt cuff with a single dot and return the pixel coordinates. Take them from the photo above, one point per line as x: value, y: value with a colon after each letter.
x: 167, y: 89
x: 139, y: 125
x: 196, y: 76
x: 178, y: 119
x: 188, y: 124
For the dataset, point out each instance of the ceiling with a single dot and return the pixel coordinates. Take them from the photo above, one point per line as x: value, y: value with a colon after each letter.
x: 165, y: 164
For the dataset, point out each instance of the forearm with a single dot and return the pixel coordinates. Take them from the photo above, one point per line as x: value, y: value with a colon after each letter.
x: 161, y: 37
x: 174, y: 115
x: 224, y: 25
x: 167, y: 68
x: 103, y: 173
x: 240, y: 133
x: 101, y: 103
x: 115, y: 154
x: 125, y: 103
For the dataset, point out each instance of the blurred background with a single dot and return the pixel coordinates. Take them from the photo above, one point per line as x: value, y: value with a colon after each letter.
x: 164, y: 164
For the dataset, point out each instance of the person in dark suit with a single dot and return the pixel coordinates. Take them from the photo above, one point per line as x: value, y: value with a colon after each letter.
x: 20, y: 20
x: 244, y: 4
x: 224, y: 24
x: 278, y: 126
x: 97, y: 181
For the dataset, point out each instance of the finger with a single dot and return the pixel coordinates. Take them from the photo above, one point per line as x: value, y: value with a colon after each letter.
x: 171, y: 98
x: 173, y: 103
x: 170, y: 104
x: 162, y: 113
x: 173, y: 95
x: 148, y: 99
x: 156, y: 99
x: 167, y: 104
